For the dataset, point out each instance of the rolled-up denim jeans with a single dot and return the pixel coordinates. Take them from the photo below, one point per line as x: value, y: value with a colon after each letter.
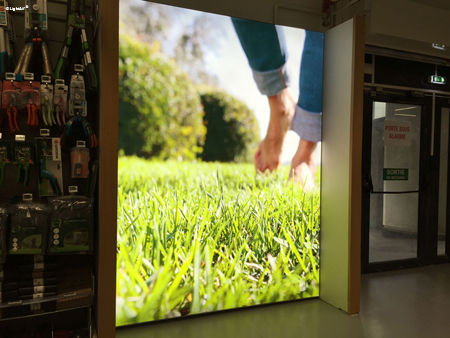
x: 265, y: 47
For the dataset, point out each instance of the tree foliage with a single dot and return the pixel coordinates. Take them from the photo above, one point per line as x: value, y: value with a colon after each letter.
x: 160, y: 113
x: 182, y: 34
x: 146, y: 21
x: 200, y: 36
x: 232, y: 130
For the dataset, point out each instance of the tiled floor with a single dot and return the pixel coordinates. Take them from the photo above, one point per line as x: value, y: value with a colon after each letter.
x: 411, y: 303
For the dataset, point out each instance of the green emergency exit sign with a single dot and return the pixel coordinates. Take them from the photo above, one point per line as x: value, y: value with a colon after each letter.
x: 391, y: 174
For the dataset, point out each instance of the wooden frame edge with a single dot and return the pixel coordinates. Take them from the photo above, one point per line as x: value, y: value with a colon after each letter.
x: 354, y: 286
x: 108, y: 43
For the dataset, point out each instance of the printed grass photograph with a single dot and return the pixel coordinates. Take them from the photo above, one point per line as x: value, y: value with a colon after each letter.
x: 219, y: 190
x: 203, y: 237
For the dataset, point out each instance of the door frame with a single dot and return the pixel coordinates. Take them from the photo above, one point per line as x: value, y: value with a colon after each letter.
x: 433, y: 207
x: 402, y: 97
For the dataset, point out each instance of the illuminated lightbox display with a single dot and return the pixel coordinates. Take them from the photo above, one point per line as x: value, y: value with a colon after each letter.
x: 218, y: 195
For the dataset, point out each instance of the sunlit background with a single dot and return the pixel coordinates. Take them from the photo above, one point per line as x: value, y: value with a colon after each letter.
x: 220, y: 62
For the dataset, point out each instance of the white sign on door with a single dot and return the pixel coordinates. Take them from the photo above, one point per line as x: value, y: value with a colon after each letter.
x: 397, y: 133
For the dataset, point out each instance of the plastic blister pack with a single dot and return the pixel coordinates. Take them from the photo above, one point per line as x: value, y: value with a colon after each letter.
x: 3, y: 225
x: 71, y: 224
x: 28, y: 224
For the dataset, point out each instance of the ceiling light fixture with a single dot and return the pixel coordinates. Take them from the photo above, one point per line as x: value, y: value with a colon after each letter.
x: 406, y: 115
x: 407, y: 108
x: 438, y: 46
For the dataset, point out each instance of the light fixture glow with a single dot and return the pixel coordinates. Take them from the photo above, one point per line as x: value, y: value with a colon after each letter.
x: 435, y: 79
x: 406, y: 115
x: 438, y: 46
x: 407, y: 108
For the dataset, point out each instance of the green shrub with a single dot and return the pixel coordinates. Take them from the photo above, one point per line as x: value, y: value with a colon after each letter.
x: 232, y: 130
x: 160, y: 113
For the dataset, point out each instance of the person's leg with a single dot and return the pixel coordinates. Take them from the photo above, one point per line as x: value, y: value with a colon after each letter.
x: 308, y: 115
x: 265, y: 48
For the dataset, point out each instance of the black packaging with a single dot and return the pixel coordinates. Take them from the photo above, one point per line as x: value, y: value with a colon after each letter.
x: 28, y: 224
x: 3, y: 226
x: 71, y: 224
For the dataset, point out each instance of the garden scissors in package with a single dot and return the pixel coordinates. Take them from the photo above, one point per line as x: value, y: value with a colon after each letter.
x: 61, y: 109
x: 47, y: 112
x: 24, y: 160
x: 36, y: 32
x: 5, y: 153
x: 76, y: 32
x: 12, y: 115
x: 80, y: 123
x: 43, y: 172
x: 32, y: 114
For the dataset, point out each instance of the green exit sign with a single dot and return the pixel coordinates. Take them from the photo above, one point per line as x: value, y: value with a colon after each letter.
x: 391, y: 174
x: 437, y: 79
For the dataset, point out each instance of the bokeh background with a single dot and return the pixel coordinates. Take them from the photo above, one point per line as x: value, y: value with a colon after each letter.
x: 206, y: 49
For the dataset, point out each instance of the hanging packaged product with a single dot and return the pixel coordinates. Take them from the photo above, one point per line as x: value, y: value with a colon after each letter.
x: 3, y: 42
x: 76, y: 47
x: 1, y: 113
x: 5, y: 158
x: 60, y: 101
x: 71, y: 224
x: 36, y: 41
x: 78, y: 128
x: 3, y: 13
x: 47, y: 101
x: 10, y: 39
x: 30, y: 98
x: 48, y: 154
x: 36, y: 17
x: 79, y: 158
x: 23, y: 153
x: 77, y: 99
x: 28, y: 225
x: 3, y: 225
x: 11, y: 102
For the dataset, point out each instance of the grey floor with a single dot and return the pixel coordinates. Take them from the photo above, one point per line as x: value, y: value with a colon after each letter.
x: 409, y: 303
x: 382, y: 249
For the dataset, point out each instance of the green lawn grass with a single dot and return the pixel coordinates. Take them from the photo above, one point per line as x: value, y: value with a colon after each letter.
x: 200, y: 237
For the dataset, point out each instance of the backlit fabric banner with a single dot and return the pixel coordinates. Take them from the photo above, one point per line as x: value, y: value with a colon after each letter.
x: 219, y: 163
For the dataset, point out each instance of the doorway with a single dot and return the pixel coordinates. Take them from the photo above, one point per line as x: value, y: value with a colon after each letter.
x: 405, y: 179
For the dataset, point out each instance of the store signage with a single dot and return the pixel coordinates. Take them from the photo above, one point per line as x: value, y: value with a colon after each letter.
x: 395, y: 174
x: 397, y: 133
x: 434, y: 79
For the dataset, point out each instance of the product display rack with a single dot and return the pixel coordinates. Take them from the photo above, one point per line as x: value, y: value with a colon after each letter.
x: 76, y: 300
x: 80, y: 304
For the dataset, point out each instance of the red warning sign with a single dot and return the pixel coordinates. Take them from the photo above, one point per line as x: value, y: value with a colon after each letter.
x: 397, y: 133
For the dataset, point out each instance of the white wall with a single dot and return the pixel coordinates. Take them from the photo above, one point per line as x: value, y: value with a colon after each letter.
x: 409, y: 25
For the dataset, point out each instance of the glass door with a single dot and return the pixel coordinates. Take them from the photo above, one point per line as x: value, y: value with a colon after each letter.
x: 439, y: 182
x: 395, y: 167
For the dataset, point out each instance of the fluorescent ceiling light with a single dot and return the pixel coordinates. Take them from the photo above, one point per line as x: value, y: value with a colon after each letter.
x: 405, y: 115
x: 407, y: 108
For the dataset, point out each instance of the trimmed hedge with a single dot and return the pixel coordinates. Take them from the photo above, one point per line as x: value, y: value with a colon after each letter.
x: 232, y: 130
x: 160, y: 114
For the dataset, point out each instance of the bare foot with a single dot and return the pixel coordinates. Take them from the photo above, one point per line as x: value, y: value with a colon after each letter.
x: 282, y: 109
x: 303, y: 168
